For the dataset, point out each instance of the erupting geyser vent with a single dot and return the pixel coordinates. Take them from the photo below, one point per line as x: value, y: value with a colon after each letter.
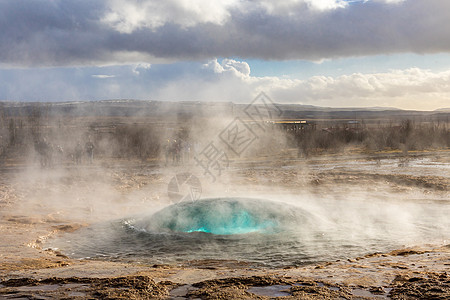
x: 222, y: 216
x: 267, y: 233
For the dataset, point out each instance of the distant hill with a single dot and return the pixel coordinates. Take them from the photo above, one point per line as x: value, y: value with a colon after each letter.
x: 443, y: 109
x: 163, y: 109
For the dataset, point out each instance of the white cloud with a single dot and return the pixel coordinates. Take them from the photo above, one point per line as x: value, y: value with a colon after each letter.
x: 230, y: 80
x: 237, y: 68
x: 408, y: 89
x: 388, y: 1
x: 289, y: 7
x: 326, y: 4
x: 140, y: 66
x: 102, y: 76
x: 127, y: 16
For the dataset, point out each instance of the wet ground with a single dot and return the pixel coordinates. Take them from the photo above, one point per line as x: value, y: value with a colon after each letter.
x: 39, y: 205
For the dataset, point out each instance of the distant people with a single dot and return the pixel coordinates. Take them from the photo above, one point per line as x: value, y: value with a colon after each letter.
x: 176, y: 149
x: 403, y: 162
x: 186, y: 152
x: 167, y: 148
x: 58, y: 154
x: 44, y: 149
x: 378, y: 162
x: 78, y: 153
x: 89, y: 147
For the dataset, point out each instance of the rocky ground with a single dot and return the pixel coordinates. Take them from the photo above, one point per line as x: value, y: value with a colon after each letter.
x: 37, y: 204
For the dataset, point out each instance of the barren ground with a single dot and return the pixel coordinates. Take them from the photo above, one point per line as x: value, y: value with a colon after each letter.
x: 37, y: 204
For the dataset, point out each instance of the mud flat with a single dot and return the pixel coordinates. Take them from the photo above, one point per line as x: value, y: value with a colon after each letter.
x: 38, y: 205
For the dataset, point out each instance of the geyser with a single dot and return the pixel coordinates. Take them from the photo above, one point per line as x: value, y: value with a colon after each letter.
x: 263, y: 232
x: 224, y: 216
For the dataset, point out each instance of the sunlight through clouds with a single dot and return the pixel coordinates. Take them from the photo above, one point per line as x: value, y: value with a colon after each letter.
x: 179, y: 50
x: 127, y: 16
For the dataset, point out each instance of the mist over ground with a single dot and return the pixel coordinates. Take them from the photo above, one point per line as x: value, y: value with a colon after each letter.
x: 137, y: 182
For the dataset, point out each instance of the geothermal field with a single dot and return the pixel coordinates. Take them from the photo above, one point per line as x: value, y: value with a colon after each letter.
x: 142, y: 199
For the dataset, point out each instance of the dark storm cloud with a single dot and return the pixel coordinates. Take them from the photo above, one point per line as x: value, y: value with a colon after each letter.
x: 57, y: 33
x: 50, y: 32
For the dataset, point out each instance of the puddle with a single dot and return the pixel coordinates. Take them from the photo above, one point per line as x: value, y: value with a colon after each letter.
x: 77, y: 294
x: 270, y: 291
x: 320, y: 284
x: 75, y: 285
x: 44, y: 288
x: 333, y: 288
x: 76, y: 289
x: 365, y: 293
x: 18, y: 297
x: 181, y: 291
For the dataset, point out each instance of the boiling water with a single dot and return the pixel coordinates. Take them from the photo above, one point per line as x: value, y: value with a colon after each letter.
x: 261, y: 232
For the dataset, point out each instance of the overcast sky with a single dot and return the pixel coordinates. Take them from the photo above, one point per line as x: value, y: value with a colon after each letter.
x: 318, y: 52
